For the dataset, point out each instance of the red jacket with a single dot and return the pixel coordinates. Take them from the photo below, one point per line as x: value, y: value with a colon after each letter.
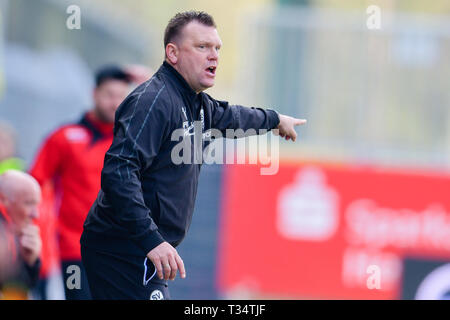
x: 47, y: 226
x: 72, y: 157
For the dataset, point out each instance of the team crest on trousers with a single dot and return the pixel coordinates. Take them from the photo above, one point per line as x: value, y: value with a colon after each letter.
x: 156, y: 295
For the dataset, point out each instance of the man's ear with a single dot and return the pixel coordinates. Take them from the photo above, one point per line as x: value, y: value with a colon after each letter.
x: 172, y: 53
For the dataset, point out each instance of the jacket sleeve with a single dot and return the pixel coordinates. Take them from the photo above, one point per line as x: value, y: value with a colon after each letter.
x: 140, y: 128
x: 226, y: 116
x: 30, y: 274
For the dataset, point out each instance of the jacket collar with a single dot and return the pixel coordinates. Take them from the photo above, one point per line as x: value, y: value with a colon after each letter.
x: 178, y: 79
x: 98, y: 129
x: 104, y: 128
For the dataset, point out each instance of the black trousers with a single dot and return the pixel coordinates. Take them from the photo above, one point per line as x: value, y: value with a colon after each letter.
x: 114, y: 276
x: 75, y: 281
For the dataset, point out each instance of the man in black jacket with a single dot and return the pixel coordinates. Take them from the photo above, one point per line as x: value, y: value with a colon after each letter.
x: 146, y: 201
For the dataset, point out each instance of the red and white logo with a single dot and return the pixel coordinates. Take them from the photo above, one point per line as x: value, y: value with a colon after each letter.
x: 308, y: 208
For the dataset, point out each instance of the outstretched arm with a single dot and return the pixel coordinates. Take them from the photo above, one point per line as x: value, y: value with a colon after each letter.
x: 225, y: 116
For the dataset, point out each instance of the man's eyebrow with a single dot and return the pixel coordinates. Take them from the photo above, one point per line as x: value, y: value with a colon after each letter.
x: 209, y: 43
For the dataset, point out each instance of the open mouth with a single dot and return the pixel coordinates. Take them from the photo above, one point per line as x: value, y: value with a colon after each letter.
x: 211, y: 70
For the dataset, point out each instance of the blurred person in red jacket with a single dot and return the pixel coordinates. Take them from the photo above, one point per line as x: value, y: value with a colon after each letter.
x: 71, y: 159
x: 20, y: 196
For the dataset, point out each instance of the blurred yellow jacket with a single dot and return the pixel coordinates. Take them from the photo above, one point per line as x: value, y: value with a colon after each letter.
x: 11, y: 164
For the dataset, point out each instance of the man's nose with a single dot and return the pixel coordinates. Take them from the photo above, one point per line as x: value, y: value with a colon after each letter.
x: 34, y: 213
x: 214, y: 54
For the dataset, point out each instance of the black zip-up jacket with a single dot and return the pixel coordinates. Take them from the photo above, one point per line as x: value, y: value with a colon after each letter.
x: 145, y: 198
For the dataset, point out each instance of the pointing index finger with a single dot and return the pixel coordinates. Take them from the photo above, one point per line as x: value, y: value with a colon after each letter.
x: 299, y: 122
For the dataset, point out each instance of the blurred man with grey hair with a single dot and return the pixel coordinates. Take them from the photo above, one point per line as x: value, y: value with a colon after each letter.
x: 20, y: 196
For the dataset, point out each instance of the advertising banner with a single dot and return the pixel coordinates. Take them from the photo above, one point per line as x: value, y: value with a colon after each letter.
x: 333, y: 232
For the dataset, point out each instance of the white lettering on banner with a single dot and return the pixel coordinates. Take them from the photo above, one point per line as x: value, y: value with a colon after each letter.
x: 308, y: 208
x: 357, y: 262
x: 377, y: 227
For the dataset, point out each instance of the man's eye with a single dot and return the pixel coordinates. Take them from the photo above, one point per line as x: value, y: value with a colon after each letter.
x: 201, y: 47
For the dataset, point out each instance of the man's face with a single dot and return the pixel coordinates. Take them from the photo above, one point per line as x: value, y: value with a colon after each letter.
x: 198, y: 55
x: 107, y: 98
x: 22, y: 208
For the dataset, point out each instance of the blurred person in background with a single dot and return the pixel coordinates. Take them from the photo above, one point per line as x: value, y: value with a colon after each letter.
x: 49, y: 254
x: 146, y: 201
x: 20, y: 195
x: 8, y: 159
x: 71, y: 160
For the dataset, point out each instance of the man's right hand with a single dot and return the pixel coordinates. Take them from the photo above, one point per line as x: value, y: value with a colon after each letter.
x: 30, y: 244
x: 286, y: 127
x: 167, y: 261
